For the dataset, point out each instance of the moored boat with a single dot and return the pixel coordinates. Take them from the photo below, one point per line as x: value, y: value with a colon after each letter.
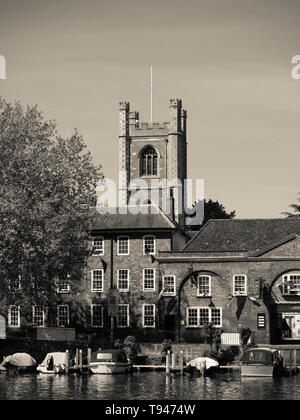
x: 53, y: 363
x: 19, y: 363
x: 205, y: 365
x: 261, y: 362
x: 109, y: 362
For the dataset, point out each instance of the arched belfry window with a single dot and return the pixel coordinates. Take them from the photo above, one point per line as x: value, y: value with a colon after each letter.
x: 149, y: 159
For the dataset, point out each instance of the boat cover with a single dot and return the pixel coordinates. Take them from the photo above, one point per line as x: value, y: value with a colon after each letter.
x: 59, y: 358
x: 20, y: 360
x: 198, y: 361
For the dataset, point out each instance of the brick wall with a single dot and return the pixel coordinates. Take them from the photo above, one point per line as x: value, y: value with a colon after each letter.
x: 135, y: 262
x: 237, y: 312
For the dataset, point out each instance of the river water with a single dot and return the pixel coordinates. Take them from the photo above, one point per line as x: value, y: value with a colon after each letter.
x: 147, y: 385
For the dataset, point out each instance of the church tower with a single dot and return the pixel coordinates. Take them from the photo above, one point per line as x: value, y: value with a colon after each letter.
x: 156, y: 154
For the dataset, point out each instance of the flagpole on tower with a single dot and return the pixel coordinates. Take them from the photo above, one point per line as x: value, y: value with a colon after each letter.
x: 151, y: 97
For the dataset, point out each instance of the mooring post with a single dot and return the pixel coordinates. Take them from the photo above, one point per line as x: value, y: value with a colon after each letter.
x: 89, y: 356
x: 80, y: 360
x: 168, y: 363
x: 76, y: 358
x: 173, y: 355
x: 181, y: 362
x: 290, y: 362
x: 186, y: 356
x: 67, y: 361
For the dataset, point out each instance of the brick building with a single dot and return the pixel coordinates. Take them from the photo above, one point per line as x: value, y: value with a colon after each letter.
x: 238, y: 274
x: 234, y: 274
x: 127, y: 244
x: 146, y: 277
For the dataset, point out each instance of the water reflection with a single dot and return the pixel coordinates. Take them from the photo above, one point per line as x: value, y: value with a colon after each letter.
x: 147, y: 385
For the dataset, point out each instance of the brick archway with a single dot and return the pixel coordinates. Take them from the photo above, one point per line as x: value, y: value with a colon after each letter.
x: 285, y: 307
x: 191, y: 275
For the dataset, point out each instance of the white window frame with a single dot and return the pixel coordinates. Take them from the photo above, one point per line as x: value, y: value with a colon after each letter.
x: 148, y: 289
x: 59, y: 325
x: 163, y: 285
x: 18, y: 283
x: 209, y: 286
x: 118, y: 280
x: 97, y: 251
x: 118, y: 246
x: 100, y: 290
x: 234, y: 292
x: 33, y: 316
x: 287, y: 290
x: 154, y: 315
x: 144, y: 244
x: 221, y: 317
x: 66, y: 282
x: 127, y: 306
x: 197, y: 308
x: 10, y: 325
x: 187, y: 317
x: 92, y: 316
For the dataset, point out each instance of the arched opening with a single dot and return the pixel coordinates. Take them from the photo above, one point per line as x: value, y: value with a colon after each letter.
x: 196, y: 298
x: 285, y: 306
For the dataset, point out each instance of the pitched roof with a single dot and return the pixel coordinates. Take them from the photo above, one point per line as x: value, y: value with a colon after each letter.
x: 123, y: 219
x: 241, y: 235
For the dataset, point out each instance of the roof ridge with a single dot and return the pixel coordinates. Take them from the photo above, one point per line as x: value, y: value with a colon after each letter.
x: 197, y: 234
x: 276, y: 244
x: 252, y: 219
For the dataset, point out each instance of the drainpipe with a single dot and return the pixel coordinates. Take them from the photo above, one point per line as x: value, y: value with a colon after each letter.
x: 111, y: 263
x: 111, y: 285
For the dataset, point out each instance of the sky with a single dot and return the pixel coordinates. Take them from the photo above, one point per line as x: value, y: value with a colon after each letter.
x: 228, y: 60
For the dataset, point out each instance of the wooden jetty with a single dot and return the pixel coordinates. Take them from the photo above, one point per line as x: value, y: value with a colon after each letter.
x: 177, y: 363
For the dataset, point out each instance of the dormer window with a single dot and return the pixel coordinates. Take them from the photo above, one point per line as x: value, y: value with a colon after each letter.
x: 149, y: 160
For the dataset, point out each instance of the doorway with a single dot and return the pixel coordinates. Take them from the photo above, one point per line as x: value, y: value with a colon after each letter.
x: 169, y: 327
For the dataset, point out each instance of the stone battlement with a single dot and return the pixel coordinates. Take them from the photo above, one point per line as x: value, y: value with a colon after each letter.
x: 152, y: 125
x: 149, y: 128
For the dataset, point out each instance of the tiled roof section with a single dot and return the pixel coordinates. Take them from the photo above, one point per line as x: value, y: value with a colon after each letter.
x: 121, y: 221
x: 241, y: 235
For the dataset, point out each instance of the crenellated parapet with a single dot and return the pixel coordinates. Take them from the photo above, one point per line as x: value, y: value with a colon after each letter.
x: 150, y: 128
x: 124, y: 106
x: 175, y: 103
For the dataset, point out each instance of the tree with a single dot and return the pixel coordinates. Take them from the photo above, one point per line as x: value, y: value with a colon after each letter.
x: 130, y: 347
x: 47, y: 184
x: 296, y: 210
x: 213, y: 210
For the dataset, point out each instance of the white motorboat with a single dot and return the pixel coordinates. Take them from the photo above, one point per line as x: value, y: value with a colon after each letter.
x: 261, y: 362
x: 109, y: 362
